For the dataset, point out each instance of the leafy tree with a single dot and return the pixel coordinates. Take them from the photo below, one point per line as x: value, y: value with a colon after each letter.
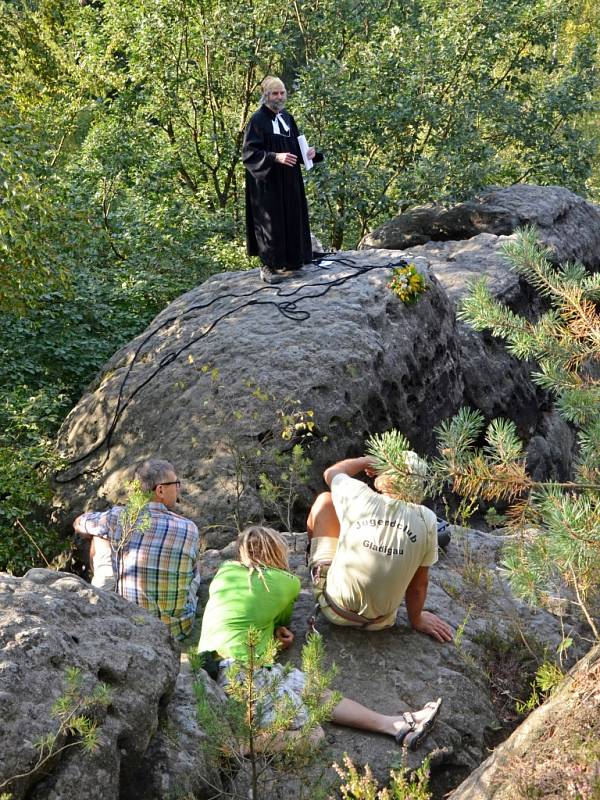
x: 31, y: 238
x: 396, y: 100
x: 27, y: 458
x: 186, y: 76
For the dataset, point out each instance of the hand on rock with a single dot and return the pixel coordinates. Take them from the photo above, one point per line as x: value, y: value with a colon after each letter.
x: 433, y: 626
x: 284, y: 636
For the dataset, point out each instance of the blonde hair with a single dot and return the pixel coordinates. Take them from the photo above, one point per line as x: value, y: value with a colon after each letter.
x: 260, y: 547
x: 269, y: 83
x: 411, y: 485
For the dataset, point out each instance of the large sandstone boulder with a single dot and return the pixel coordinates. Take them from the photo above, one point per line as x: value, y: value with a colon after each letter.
x: 52, y: 622
x: 361, y: 360
x: 566, y: 222
x: 208, y: 384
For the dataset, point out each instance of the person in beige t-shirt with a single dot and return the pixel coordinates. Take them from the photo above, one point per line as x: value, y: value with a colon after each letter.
x: 370, y: 550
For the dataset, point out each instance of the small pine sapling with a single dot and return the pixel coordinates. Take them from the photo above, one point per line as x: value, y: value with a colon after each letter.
x: 242, y: 737
x: 76, y: 712
x: 135, y: 518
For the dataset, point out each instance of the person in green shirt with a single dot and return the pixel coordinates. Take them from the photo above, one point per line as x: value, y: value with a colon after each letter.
x: 259, y: 591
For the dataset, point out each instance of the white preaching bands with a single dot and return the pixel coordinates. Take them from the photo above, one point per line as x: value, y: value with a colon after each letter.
x: 279, y: 120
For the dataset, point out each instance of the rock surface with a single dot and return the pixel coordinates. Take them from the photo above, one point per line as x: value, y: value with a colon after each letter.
x: 51, y: 622
x: 554, y: 754
x: 362, y: 361
x: 486, y: 365
x: 566, y: 222
x: 174, y: 765
x: 218, y: 370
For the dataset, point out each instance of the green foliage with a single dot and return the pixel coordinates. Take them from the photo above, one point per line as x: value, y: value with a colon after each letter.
x: 277, y: 463
x: 493, y: 472
x: 281, y: 496
x: 121, y: 178
x: 510, y: 662
x: 563, y: 341
x: 397, y: 97
x: 32, y: 243
x: 494, y: 518
x: 77, y: 712
x: 465, y: 656
x: 562, y: 546
x: 388, y: 453
x: 547, y: 677
x: 240, y: 734
x: 27, y: 459
x: 135, y: 518
x: 405, y: 783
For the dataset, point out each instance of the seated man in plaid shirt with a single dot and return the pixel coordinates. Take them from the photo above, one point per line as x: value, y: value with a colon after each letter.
x: 158, y: 567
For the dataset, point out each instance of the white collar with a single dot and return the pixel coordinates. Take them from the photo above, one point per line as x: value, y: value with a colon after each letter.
x: 279, y: 120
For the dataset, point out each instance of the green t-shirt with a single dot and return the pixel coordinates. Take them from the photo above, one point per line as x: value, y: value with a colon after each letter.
x: 234, y: 605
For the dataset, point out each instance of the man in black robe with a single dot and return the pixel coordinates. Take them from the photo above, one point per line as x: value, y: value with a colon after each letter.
x: 277, y: 228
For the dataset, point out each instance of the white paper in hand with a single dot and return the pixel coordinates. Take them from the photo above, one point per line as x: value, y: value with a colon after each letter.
x: 304, y: 149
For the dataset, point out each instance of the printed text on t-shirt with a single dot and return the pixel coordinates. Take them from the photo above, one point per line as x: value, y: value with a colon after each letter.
x: 389, y: 523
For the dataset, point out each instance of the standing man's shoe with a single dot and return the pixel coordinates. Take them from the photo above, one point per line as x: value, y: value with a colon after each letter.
x: 287, y: 273
x: 267, y: 275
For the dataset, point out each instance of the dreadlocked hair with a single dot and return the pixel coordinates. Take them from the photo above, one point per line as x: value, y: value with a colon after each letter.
x: 260, y: 547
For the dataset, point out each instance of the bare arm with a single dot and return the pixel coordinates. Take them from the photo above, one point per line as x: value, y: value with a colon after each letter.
x: 424, y: 621
x: 349, y: 466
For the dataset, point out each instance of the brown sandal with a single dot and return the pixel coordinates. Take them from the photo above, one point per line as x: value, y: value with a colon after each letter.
x: 412, y: 738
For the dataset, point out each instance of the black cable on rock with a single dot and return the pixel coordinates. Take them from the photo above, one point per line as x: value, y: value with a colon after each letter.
x: 281, y: 302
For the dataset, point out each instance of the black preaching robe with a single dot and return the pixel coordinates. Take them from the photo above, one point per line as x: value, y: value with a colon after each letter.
x: 277, y: 226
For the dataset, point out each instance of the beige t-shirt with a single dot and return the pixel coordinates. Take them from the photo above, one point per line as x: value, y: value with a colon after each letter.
x: 382, y: 544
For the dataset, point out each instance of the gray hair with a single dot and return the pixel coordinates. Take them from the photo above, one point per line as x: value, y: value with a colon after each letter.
x: 268, y: 85
x: 151, y: 472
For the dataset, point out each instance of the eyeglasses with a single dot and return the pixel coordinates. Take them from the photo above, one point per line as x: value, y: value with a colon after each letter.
x: 176, y: 483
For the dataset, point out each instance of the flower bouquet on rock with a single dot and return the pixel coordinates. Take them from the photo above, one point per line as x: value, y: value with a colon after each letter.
x: 408, y: 284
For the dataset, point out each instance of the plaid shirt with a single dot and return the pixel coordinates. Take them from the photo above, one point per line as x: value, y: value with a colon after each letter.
x: 158, y: 568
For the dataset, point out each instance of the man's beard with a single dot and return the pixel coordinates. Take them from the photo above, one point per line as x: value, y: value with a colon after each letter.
x: 277, y: 105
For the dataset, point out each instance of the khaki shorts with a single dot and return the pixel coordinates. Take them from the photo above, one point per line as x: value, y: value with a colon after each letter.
x: 322, y: 553
x: 274, y: 685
